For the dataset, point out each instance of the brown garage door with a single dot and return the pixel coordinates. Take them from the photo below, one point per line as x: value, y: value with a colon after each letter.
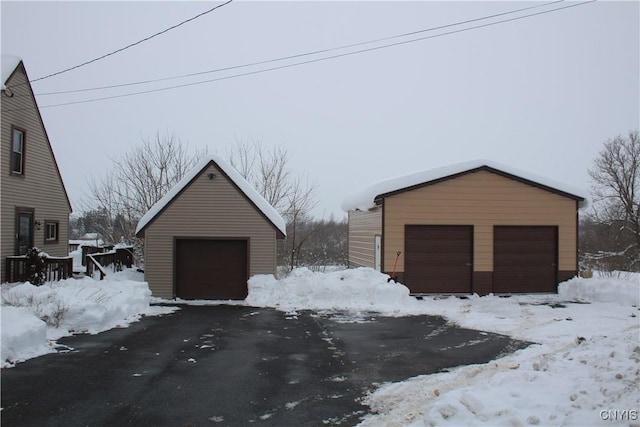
x: 438, y: 258
x: 525, y: 259
x: 211, y: 269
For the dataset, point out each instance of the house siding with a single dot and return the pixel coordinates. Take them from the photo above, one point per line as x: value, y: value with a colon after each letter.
x: 481, y: 199
x: 206, y: 209
x: 40, y: 187
x: 363, y: 227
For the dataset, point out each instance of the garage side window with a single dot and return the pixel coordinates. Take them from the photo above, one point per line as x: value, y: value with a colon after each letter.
x: 17, y: 151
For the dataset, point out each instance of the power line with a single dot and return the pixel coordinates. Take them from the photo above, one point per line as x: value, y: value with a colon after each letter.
x: 300, y: 55
x: 132, y: 44
x: 317, y: 59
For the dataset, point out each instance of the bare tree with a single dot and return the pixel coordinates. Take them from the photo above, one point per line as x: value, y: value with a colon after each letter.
x: 325, y: 243
x: 292, y: 195
x: 138, y: 179
x: 266, y: 169
x: 300, y: 202
x: 616, y: 193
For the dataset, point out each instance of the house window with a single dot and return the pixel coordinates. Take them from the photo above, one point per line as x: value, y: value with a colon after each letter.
x: 51, y: 231
x: 17, y: 152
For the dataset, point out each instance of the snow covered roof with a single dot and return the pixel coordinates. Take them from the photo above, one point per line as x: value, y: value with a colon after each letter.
x: 259, y: 202
x: 365, y: 198
x: 8, y: 63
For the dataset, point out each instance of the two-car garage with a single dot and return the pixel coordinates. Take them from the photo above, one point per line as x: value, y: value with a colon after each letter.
x: 439, y: 259
x: 476, y: 227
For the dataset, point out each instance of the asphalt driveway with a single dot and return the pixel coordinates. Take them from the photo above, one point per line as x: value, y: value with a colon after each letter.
x: 235, y: 366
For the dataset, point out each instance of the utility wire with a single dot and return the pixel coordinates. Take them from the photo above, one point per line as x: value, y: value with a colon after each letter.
x: 300, y: 55
x: 133, y: 44
x: 317, y: 59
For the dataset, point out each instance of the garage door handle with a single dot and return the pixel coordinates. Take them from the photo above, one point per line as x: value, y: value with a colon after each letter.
x: 469, y: 264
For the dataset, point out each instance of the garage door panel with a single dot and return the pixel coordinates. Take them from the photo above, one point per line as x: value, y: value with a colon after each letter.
x: 211, y: 269
x: 525, y: 259
x: 438, y: 259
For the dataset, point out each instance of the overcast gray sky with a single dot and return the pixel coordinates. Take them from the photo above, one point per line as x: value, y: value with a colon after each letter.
x: 541, y: 94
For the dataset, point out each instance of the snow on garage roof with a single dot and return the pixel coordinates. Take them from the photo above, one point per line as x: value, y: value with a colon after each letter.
x: 365, y: 198
x: 8, y: 63
x: 269, y: 212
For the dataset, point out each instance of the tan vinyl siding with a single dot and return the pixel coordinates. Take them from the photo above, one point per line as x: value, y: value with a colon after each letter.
x: 40, y: 187
x: 206, y: 209
x: 481, y: 199
x: 363, y: 226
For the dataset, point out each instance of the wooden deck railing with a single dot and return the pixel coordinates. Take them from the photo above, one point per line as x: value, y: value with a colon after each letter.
x: 93, y: 264
x: 118, y: 258
x: 56, y: 268
x: 89, y: 250
x: 60, y: 268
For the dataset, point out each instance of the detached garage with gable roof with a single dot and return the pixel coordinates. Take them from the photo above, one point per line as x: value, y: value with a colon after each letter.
x: 208, y: 235
x: 475, y: 227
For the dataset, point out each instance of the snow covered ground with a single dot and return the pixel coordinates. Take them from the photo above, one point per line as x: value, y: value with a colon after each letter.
x: 583, y: 370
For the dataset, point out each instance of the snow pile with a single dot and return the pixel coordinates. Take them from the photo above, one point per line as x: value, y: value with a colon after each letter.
x: 360, y: 289
x: 602, y: 290
x: 23, y: 335
x: 34, y: 316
